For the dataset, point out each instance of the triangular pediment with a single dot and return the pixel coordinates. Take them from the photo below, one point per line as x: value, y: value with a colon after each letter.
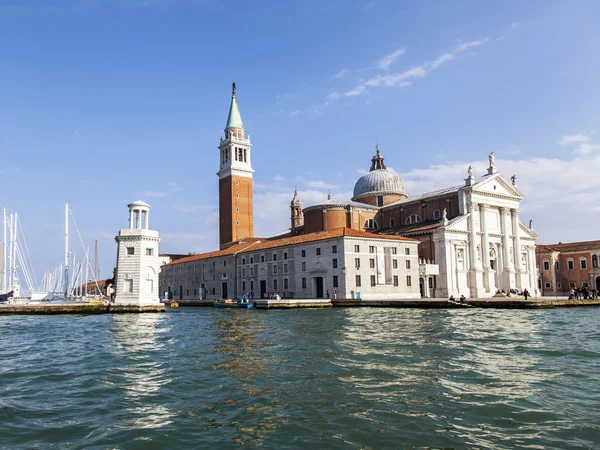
x: 497, y: 184
x: 527, y: 232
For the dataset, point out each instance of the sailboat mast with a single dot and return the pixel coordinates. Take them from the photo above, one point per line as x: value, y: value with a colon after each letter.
x: 4, y: 251
x: 66, y: 249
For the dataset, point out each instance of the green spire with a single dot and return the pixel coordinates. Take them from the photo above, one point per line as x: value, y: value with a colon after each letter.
x: 234, y: 120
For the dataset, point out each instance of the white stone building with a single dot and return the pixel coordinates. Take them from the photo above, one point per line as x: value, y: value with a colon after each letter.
x: 138, y: 261
x: 354, y: 264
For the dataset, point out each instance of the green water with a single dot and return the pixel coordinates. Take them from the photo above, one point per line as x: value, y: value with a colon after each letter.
x: 332, y: 378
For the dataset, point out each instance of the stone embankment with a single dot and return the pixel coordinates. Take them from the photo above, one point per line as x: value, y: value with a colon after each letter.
x: 76, y: 308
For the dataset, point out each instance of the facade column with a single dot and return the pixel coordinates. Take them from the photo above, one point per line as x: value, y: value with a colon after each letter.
x: 476, y: 284
x: 488, y: 280
x: 509, y: 269
x: 130, y: 219
x: 517, y: 247
x: 474, y: 257
x: 147, y: 219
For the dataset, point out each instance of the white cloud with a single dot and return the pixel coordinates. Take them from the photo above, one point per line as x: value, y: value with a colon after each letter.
x: 279, y: 178
x: 155, y: 194
x: 570, y: 139
x: 404, y: 78
x: 191, y: 208
x: 341, y: 74
x: 321, y: 185
x: 295, y: 112
x: 385, y: 62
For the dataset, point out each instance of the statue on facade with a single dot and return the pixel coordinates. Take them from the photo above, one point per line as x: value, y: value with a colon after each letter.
x: 470, y: 171
x: 531, y: 224
x: 514, y: 180
x: 492, y: 159
x: 444, y: 215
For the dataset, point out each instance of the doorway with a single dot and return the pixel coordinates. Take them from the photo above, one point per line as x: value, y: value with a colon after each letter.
x: 598, y: 283
x: 422, y: 287
x: 263, y: 288
x: 180, y: 292
x: 224, y: 289
x: 319, y: 286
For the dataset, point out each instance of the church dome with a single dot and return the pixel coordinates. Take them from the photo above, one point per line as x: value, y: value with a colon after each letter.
x: 378, y: 181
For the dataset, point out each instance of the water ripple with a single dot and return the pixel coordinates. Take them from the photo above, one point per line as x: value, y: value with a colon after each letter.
x: 338, y: 378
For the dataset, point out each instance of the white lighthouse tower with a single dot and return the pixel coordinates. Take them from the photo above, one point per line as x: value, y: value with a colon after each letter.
x: 138, y: 263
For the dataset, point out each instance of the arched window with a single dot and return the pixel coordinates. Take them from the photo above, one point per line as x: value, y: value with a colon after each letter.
x: 595, y: 261
x: 370, y: 224
x: 413, y: 218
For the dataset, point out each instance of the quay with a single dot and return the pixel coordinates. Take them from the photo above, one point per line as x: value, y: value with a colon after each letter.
x: 422, y: 303
x: 77, y: 308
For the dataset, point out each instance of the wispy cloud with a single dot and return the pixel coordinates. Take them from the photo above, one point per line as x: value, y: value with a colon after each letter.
x: 385, y: 62
x: 321, y: 185
x: 406, y: 77
x: 155, y: 194
x: 570, y: 139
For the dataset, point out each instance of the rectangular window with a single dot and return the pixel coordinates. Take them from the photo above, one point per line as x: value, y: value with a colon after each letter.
x: 252, y: 260
x: 546, y: 265
x: 194, y: 292
x: 408, y: 280
x: 584, y: 284
x: 373, y: 283
x: 275, y: 284
x: 129, y: 285
x: 572, y: 284
x: 357, y: 248
x: 557, y: 266
x: 571, y: 265
x: 285, y: 255
x: 251, y: 271
x: 214, y: 291
x: 262, y: 258
x: 371, y: 249
x: 408, y: 263
x: 547, y: 285
x: 243, y: 271
x: 318, y: 251
x: 285, y: 268
x: 304, y: 253
x: 436, y: 214
x: 357, y: 263
x: 335, y: 263
x: 224, y: 263
x: 187, y: 292
x: 357, y: 280
x: 274, y: 256
x: 583, y: 263
x: 243, y: 286
x: 303, y: 267
x: 335, y: 281
x: 275, y: 270
x: 303, y: 283
x: 407, y: 251
x: 394, y: 251
x: 334, y: 249
x: 392, y: 222
x: 372, y: 263
x: 130, y: 251
x: 251, y: 285
x: 243, y: 261
x: 214, y: 264
x: 558, y: 285
x: 395, y: 263
x: 149, y: 252
x: 395, y: 280
x: 286, y: 284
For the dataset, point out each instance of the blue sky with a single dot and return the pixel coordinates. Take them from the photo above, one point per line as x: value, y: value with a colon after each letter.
x: 103, y: 102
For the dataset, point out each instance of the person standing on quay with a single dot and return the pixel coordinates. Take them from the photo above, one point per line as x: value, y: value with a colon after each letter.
x: 526, y: 294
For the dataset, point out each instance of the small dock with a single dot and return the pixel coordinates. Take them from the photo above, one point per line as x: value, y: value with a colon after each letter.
x: 76, y: 308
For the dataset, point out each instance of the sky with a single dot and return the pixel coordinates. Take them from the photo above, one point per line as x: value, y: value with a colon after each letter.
x: 103, y: 102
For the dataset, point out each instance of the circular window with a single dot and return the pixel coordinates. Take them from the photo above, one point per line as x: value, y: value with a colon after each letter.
x: 237, y: 210
x: 237, y: 195
x: 237, y: 224
x: 237, y: 181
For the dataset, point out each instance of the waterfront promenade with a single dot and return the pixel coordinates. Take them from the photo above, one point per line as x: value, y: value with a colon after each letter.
x: 424, y: 303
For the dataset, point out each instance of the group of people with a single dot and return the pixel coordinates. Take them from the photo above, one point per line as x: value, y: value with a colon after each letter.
x: 334, y: 294
x: 525, y: 293
x: 583, y: 294
x: 462, y: 299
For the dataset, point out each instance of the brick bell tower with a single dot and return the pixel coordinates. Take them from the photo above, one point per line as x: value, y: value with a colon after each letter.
x: 236, y: 216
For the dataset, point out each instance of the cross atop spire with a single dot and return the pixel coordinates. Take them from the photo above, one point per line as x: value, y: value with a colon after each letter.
x: 377, y: 160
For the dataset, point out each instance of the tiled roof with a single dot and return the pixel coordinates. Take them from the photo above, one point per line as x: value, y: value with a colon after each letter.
x: 568, y: 247
x: 415, y: 228
x: 294, y: 240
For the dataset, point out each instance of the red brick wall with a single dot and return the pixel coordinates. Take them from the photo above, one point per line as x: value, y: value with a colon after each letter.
x: 236, y: 214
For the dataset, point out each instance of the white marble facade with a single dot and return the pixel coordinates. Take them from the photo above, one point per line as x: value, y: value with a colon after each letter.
x: 486, y: 248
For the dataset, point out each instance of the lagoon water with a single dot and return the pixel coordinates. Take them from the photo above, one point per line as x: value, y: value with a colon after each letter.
x: 335, y: 378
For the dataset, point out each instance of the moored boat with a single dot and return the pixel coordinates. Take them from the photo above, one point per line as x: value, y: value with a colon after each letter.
x: 229, y: 303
